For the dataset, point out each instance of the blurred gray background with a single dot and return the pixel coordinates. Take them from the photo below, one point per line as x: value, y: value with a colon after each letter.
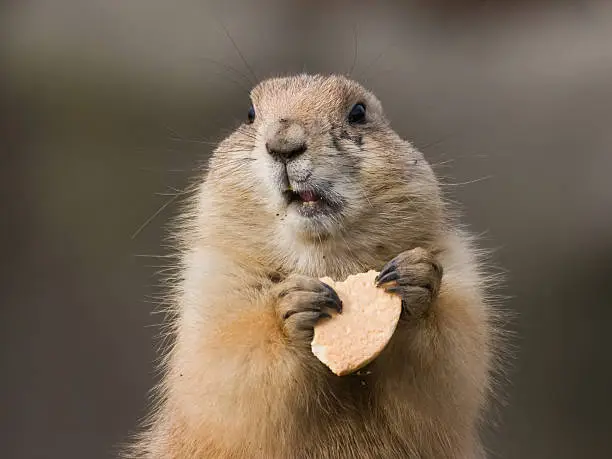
x: 107, y: 106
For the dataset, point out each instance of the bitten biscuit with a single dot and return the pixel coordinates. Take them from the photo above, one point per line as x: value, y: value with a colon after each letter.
x: 349, y: 341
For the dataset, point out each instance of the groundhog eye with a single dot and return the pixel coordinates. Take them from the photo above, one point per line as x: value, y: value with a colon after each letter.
x: 251, y: 115
x: 357, y: 114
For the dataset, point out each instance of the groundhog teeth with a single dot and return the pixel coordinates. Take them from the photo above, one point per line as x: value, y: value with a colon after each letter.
x: 349, y: 341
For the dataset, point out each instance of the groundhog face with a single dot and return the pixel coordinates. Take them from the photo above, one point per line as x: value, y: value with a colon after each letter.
x: 323, y: 155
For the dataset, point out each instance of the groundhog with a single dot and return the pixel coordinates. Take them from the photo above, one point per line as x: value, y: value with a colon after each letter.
x: 316, y: 183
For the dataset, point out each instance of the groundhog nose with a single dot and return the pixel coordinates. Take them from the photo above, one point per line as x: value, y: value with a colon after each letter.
x: 286, y: 140
x: 285, y: 151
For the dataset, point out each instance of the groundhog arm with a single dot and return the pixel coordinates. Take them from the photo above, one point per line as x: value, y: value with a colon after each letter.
x: 440, y: 354
x: 242, y: 355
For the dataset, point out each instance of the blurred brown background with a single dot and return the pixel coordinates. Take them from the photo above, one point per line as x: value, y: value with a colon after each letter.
x: 103, y: 109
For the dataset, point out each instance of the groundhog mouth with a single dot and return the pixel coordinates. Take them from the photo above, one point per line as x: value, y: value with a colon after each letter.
x: 309, y: 203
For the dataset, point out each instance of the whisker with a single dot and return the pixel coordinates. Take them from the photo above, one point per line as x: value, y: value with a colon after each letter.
x: 441, y: 163
x: 469, y: 182
x: 442, y: 139
x: 165, y: 194
x: 244, y: 61
x: 198, y: 141
x: 366, y: 76
x: 354, y: 50
x: 229, y: 68
x: 244, y: 89
x: 157, y: 212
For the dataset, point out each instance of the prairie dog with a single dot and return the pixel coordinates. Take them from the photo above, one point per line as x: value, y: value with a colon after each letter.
x: 316, y: 183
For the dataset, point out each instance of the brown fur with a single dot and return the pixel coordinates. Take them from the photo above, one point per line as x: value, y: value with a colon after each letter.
x: 236, y: 384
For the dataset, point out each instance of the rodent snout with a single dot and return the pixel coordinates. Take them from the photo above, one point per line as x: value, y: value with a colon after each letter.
x: 286, y: 140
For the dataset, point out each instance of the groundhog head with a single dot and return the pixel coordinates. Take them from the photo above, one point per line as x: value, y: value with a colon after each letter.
x: 318, y: 151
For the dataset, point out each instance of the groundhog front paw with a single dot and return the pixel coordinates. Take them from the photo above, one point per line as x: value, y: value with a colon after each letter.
x: 301, y: 301
x: 416, y: 276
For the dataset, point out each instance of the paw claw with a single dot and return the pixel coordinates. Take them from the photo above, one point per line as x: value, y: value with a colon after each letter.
x: 389, y: 267
x: 302, y: 301
x: 415, y: 275
x: 388, y: 277
x: 335, y: 300
x: 396, y: 289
